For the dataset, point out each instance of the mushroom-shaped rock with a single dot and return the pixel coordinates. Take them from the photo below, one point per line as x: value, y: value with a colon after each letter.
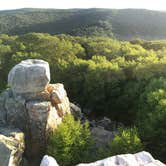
x: 29, y: 76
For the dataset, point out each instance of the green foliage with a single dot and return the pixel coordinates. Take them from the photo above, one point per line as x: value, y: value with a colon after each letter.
x: 153, y: 132
x: 151, y: 117
x: 100, y: 28
x: 101, y: 74
x: 121, y: 80
x: 71, y: 143
x: 126, y: 141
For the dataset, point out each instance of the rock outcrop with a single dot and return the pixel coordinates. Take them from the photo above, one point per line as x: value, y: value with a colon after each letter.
x: 32, y: 104
x: 11, y: 146
x: 139, y: 159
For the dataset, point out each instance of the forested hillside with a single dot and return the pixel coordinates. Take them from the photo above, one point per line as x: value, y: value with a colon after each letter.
x: 125, y: 81
x: 122, y: 24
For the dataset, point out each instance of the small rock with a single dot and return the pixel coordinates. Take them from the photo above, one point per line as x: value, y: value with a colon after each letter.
x: 101, y: 136
x: 76, y: 111
x: 48, y: 161
x: 105, y: 122
x: 92, y: 123
x: 11, y: 146
x: 63, y: 107
x: 57, y: 92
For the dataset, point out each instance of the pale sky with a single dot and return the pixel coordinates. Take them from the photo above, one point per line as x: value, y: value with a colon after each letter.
x: 64, y: 4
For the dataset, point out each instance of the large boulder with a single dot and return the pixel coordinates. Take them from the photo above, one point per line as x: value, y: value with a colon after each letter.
x: 138, y: 159
x: 11, y: 146
x: 29, y: 76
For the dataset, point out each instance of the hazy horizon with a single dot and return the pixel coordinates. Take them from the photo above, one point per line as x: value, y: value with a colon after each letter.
x: 81, y: 8
x: 159, y: 5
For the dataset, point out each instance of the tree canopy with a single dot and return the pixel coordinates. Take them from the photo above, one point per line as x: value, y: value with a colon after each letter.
x: 122, y: 80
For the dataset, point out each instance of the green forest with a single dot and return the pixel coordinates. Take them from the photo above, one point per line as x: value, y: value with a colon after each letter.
x: 125, y: 81
x: 123, y: 24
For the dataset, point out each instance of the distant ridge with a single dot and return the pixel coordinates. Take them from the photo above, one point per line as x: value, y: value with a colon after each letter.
x: 124, y: 24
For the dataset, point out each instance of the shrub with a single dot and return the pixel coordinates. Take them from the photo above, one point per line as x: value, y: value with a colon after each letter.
x: 126, y: 141
x: 71, y: 143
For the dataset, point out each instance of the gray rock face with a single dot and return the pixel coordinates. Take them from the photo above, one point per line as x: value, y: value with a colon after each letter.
x: 43, y: 118
x: 11, y: 146
x: 29, y: 76
x: 36, y: 117
x: 3, y: 97
x: 102, y: 136
x: 16, y: 114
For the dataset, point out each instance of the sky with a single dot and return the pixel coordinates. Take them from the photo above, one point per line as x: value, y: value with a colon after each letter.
x: 65, y: 4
